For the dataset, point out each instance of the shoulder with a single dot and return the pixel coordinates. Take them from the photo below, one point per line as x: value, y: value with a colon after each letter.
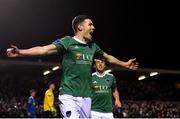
x: 92, y: 43
x: 48, y: 92
x: 110, y: 75
x: 64, y: 39
x: 30, y: 99
x: 94, y: 74
x: 63, y: 42
x: 67, y: 38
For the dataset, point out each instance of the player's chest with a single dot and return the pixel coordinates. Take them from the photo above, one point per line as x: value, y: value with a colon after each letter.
x: 81, y: 52
x: 102, y: 83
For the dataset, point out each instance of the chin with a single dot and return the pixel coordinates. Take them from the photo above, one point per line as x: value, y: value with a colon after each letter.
x: 88, y: 39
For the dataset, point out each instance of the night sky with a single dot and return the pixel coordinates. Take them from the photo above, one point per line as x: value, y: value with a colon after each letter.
x: 125, y: 28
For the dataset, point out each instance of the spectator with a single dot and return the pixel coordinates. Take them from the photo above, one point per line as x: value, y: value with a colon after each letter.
x: 32, y: 104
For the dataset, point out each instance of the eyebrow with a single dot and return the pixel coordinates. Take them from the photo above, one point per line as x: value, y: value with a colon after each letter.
x: 90, y: 23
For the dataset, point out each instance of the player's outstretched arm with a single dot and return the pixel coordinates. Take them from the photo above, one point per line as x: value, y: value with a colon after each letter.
x: 14, y: 51
x: 131, y: 64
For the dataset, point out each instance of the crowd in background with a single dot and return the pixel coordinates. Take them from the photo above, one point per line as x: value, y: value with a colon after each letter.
x: 151, y: 109
x: 17, y: 107
x: 139, y: 98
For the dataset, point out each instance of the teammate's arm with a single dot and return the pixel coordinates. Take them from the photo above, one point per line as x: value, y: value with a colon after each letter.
x: 14, y: 51
x: 117, y: 98
x: 131, y: 64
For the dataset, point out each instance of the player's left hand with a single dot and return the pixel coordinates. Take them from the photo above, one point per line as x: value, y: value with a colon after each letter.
x: 117, y: 103
x: 132, y: 64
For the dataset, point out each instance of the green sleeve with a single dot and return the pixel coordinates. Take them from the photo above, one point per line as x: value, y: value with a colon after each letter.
x: 99, y: 52
x: 114, y: 83
x: 62, y: 44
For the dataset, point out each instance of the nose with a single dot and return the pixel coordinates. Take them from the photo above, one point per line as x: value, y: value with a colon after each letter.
x: 93, y: 27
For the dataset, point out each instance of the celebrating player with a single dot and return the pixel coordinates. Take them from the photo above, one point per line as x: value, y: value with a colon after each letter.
x: 78, y: 52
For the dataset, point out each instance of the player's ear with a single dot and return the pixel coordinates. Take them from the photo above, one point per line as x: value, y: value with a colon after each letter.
x: 80, y: 27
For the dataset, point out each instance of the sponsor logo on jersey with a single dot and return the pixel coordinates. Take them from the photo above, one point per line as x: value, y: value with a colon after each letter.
x: 83, y: 58
x: 101, y: 89
x: 78, y: 56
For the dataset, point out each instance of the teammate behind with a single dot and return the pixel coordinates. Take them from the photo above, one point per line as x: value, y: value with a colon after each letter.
x: 104, y: 86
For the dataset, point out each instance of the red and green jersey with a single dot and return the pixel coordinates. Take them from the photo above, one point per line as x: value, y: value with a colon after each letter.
x: 103, y: 86
x: 77, y: 64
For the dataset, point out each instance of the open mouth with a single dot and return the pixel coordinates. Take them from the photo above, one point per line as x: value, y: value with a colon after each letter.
x: 91, y: 33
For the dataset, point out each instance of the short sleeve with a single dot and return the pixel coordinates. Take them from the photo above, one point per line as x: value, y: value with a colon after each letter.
x: 99, y: 52
x: 62, y: 44
x: 114, y: 83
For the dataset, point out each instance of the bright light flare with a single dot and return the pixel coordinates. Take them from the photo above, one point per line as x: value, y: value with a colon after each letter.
x: 55, y: 68
x: 141, y: 77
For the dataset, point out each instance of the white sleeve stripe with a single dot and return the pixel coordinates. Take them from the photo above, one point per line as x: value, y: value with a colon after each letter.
x: 93, y: 73
x: 109, y: 74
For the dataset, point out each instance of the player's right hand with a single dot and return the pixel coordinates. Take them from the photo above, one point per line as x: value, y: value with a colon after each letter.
x: 54, y: 112
x: 13, y: 51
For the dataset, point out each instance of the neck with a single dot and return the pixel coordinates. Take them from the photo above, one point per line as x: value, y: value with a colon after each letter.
x: 100, y: 72
x: 80, y: 37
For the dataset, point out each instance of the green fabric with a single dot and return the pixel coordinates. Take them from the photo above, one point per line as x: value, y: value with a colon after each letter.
x: 102, y: 92
x: 77, y: 64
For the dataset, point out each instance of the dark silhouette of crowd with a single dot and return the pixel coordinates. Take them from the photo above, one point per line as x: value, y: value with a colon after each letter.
x: 151, y: 109
x: 151, y: 98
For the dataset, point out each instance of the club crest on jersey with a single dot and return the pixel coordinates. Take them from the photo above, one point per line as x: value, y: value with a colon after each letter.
x: 107, y: 81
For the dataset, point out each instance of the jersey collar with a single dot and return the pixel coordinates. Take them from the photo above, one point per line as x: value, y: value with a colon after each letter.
x: 78, y: 40
x: 100, y: 75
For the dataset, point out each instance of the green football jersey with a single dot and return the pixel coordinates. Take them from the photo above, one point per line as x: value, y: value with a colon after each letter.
x: 77, y: 64
x: 103, y: 86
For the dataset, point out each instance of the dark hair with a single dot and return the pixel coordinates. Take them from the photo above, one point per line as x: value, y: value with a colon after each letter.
x: 77, y: 20
x: 50, y: 83
x: 32, y: 90
x: 99, y: 57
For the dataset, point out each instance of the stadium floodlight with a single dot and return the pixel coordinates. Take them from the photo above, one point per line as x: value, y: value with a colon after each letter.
x: 142, y: 77
x: 46, y: 72
x: 55, y: 68
x: 153, y: 73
